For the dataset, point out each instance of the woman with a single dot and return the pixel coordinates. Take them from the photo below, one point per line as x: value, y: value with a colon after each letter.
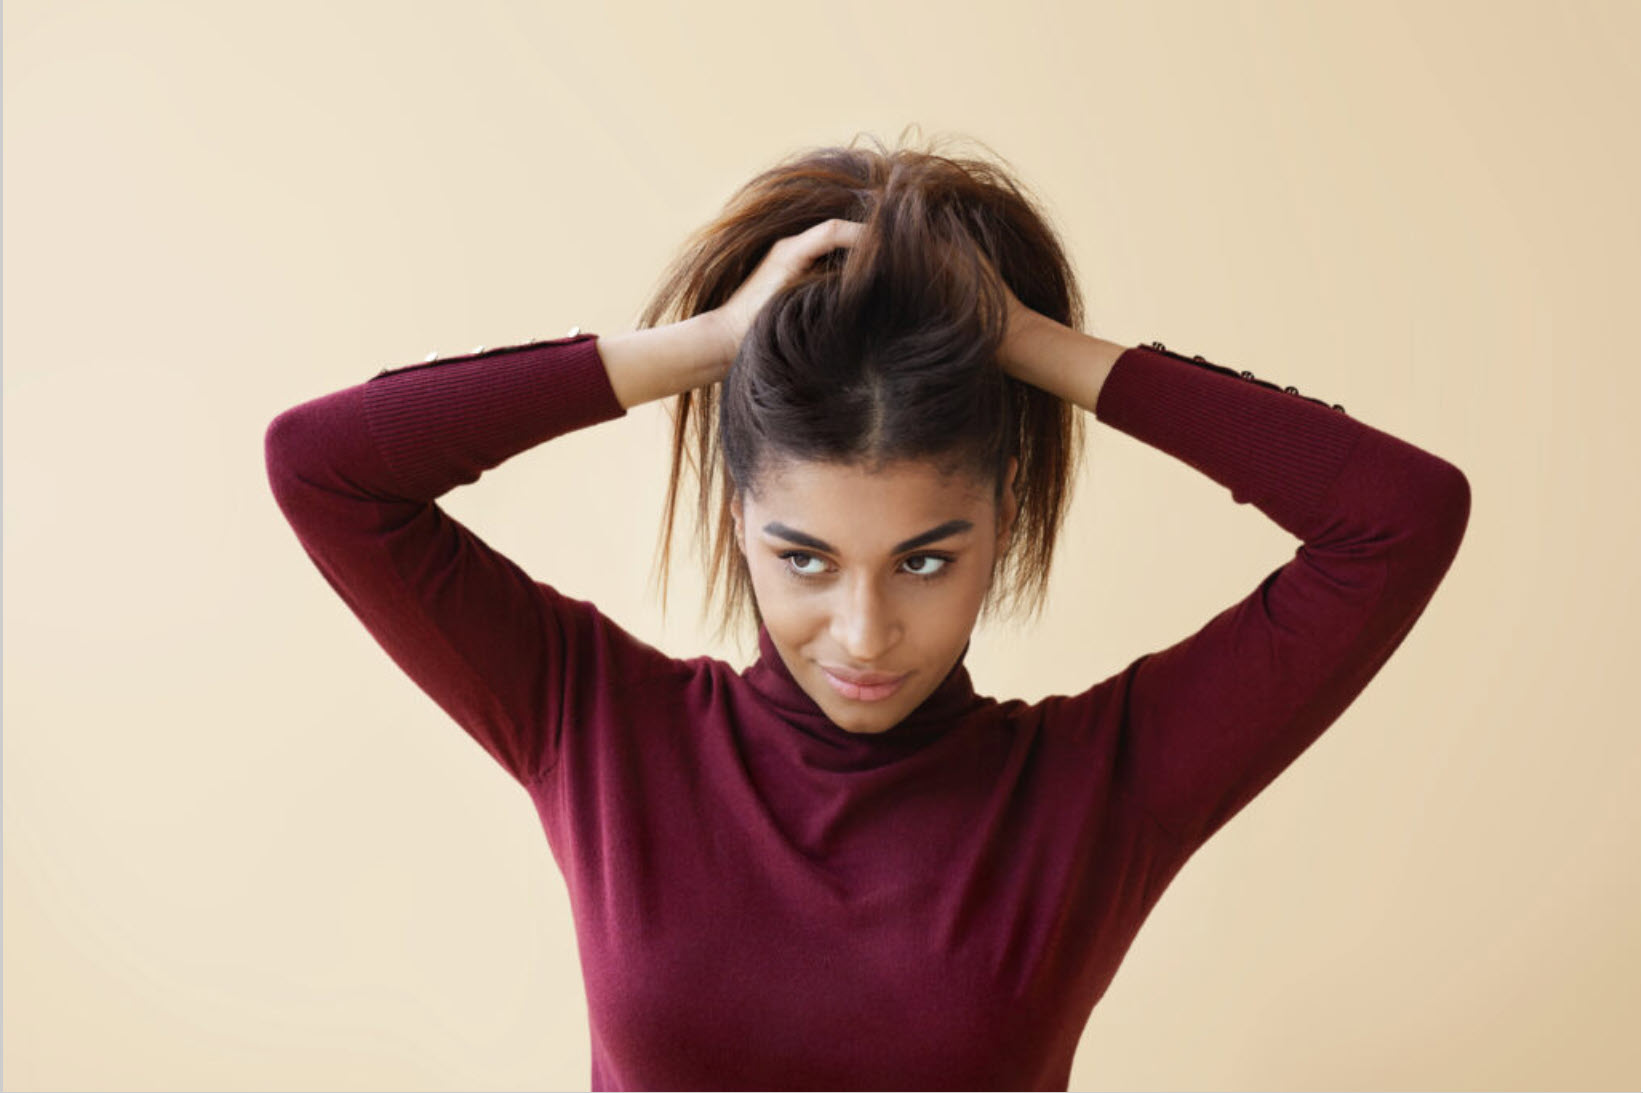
x: 840, y: 867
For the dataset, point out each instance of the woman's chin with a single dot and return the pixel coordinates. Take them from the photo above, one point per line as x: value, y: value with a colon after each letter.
x: 864, y: 718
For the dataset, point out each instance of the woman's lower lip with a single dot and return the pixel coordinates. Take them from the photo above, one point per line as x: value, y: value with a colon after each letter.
x: 862, y: 692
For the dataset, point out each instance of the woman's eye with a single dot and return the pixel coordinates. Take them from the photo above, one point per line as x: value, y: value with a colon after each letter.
x: 926, y: 565
x: 797, y: 561
x: 803, y: 564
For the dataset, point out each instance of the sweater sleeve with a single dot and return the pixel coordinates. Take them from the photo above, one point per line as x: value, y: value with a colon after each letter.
x: 356, y: 473
x: 1210, y: 721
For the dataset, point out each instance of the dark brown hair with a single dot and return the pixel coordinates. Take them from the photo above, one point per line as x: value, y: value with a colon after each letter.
x: 882, y: 351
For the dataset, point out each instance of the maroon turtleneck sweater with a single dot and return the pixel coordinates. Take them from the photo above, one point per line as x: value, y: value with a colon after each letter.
x: 765, y: 901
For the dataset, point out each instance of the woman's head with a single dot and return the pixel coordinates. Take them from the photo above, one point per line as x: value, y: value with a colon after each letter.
x: 865, y: 398
x: 869, y: 575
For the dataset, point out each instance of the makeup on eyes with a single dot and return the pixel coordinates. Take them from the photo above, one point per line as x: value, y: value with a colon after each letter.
x: 944, y: 558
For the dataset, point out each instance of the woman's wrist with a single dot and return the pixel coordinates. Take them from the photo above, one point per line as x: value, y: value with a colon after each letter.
x: 662, y: 361
x: 1065, y: 362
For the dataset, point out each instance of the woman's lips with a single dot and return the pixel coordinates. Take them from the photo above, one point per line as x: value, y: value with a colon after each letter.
x: 865, y: 691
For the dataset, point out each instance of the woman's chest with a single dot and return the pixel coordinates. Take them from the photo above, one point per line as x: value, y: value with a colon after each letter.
x: 907, y: 928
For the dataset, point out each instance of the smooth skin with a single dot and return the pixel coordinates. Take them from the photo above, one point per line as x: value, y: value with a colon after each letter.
x: 821, y: 539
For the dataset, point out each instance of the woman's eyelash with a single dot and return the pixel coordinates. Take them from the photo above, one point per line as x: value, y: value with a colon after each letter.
x: 946, y: 561
x: 788, y: 558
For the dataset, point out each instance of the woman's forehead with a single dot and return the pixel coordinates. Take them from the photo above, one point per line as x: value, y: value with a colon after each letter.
x: 794, y: 480
x: 851, y: 508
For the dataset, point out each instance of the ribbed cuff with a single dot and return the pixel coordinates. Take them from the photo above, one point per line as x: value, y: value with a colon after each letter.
x: 442, y: 423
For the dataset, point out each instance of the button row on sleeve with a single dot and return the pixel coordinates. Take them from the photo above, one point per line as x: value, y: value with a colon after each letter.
x: 1245, y: 374
x: 437, y: 358
x: 573, y: 332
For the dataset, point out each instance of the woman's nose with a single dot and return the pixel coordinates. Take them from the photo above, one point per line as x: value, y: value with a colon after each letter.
x: 864, y: 625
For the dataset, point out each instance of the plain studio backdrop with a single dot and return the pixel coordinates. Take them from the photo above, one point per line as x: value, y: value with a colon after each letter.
x: 243, y: 851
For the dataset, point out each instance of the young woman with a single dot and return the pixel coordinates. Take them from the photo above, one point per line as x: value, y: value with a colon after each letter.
x: 840, y: 867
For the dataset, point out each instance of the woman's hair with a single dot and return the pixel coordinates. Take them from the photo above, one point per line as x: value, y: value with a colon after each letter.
x: 882, y: 351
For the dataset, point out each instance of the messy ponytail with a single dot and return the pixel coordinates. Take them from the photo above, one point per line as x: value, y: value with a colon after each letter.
x: 882, y: 351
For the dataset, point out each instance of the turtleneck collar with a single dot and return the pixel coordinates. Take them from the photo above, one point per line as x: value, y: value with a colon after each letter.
x: 840, y: 749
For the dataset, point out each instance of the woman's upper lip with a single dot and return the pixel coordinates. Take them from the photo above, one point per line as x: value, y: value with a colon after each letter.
x: 865, y: 679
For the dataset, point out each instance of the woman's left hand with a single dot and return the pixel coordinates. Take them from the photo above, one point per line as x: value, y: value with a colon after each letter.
x: 1052, y: 355
x: 1020, y: 326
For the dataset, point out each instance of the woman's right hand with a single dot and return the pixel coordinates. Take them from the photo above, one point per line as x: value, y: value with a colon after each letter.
x: 787, y: 259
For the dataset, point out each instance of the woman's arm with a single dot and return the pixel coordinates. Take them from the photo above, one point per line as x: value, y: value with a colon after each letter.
x: 661, y: 361
x: 1051, y: 355
x: 1193, y: 732
x: 696, y: 352
x: 356, y: 474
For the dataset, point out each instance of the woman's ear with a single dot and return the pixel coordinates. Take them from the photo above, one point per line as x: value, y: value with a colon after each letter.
x: 736, y: 520
x: 1009, y: 504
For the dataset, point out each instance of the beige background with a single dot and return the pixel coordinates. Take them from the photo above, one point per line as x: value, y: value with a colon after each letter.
x: 243, y: 852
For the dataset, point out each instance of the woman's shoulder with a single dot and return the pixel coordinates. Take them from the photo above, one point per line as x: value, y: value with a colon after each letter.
x: 621, y: 658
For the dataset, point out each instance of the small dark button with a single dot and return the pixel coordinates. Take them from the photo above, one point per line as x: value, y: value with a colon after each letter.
x: 1244, y: 374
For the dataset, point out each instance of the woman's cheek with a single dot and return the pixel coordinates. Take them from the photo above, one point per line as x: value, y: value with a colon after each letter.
x: 782, y: 599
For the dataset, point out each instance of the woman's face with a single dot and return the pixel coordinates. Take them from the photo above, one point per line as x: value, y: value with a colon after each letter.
x: 870, y: 574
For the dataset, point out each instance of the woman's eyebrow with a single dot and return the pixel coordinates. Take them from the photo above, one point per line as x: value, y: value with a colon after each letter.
x: 942, y: 531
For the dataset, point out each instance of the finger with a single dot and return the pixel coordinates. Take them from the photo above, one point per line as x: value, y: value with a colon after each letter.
x: 832, y: 232
x: 847, y: 232
x: 832, y: 235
